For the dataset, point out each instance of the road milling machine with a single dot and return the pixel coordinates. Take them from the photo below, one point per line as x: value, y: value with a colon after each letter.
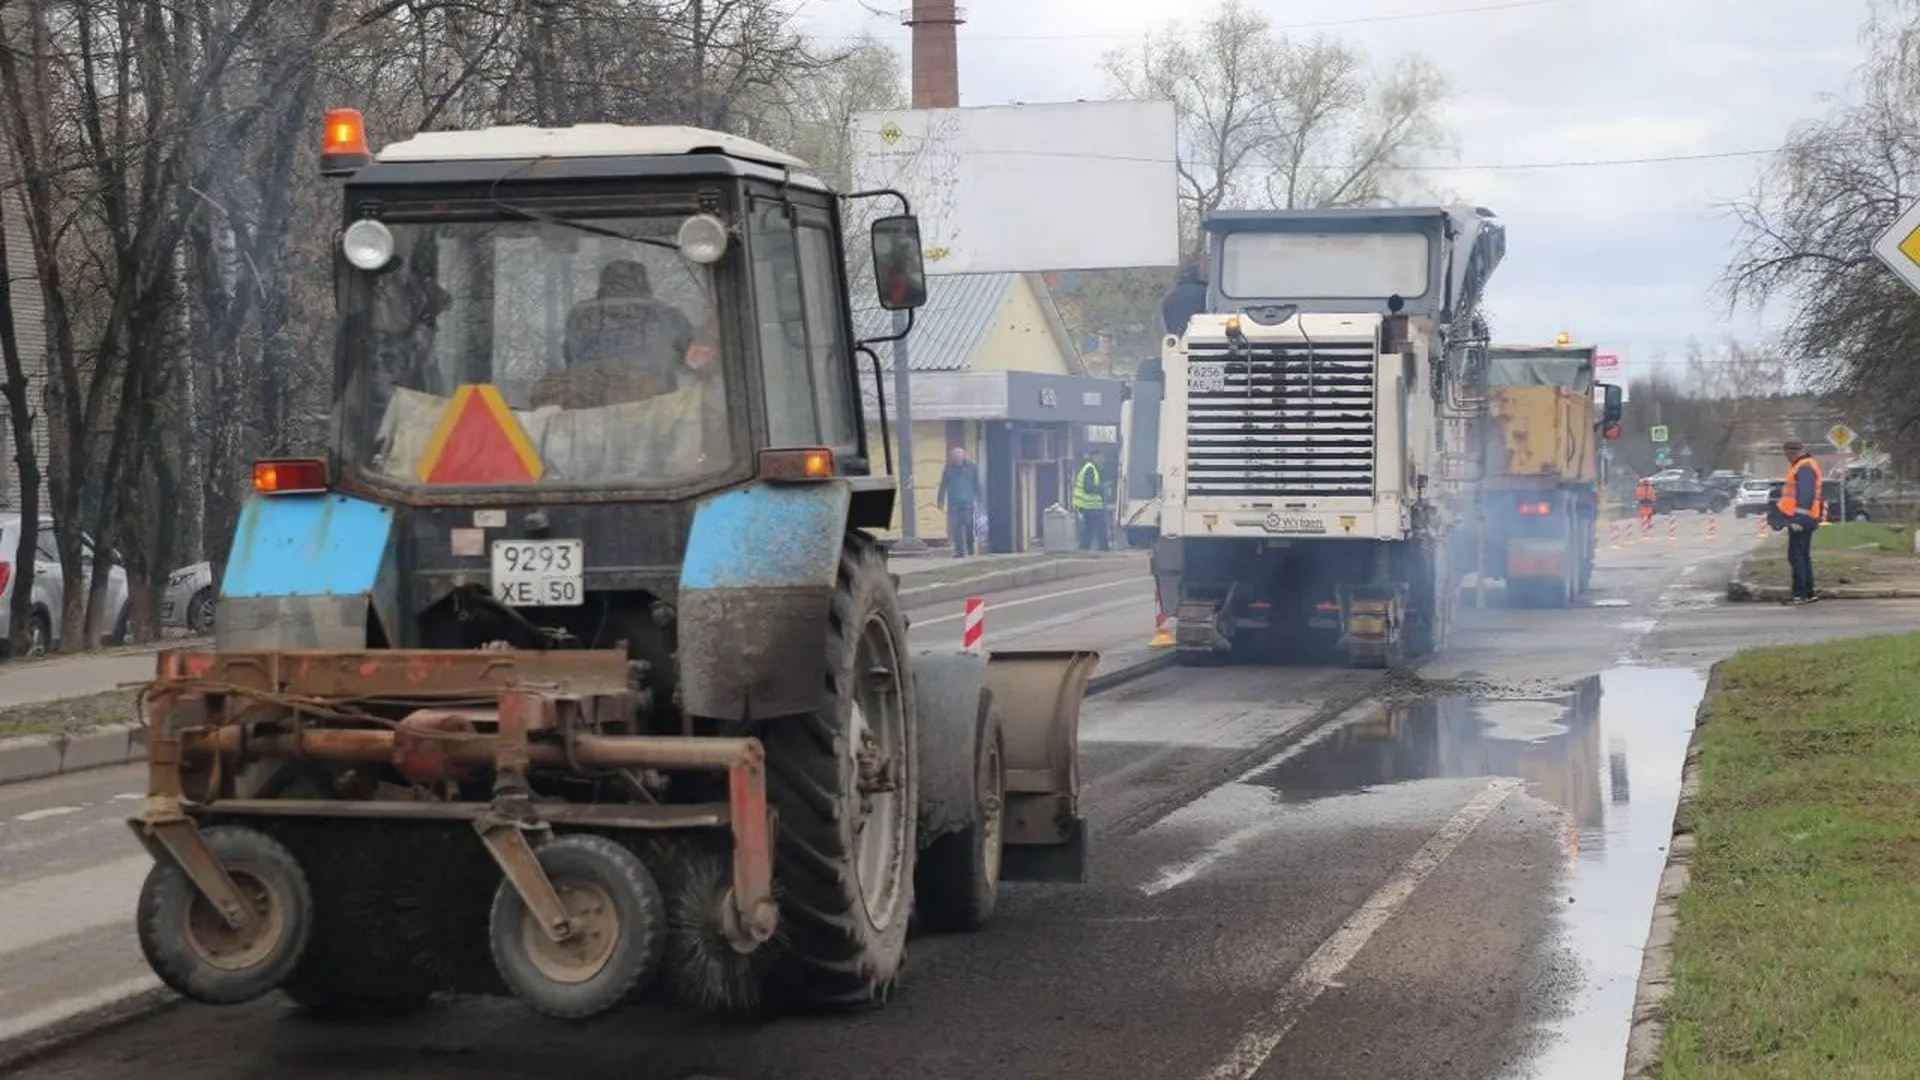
x: 573, y: 669
x: 1316, y: 433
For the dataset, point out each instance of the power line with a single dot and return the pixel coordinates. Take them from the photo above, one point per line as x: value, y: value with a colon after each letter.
x: 1324, y: 24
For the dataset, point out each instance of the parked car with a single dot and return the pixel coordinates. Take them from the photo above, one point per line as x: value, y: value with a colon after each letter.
x: 188, y: 604
x: 1683, y: 494
x: 1831, y: 493
x: 1726, y: 480
x: 1753, y: 497
x: 49, y: 592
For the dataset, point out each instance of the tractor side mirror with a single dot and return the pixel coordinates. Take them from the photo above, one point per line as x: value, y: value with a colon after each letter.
x: 1614, y: 406
x: 899, y: 268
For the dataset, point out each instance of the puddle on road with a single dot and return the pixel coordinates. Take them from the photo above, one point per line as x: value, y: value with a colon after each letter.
x: 1608, y: 753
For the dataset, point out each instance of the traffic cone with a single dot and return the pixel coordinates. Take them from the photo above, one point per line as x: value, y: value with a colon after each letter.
x: 1162, y: 633
x: 1613, y: 536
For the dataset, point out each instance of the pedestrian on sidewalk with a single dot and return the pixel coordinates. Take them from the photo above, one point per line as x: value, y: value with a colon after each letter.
x: 1090, y: 502
x: 1801, y: 509
x: 958, y: 494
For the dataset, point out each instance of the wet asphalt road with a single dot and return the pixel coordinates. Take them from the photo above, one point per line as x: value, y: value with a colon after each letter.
x: 1302, y: 873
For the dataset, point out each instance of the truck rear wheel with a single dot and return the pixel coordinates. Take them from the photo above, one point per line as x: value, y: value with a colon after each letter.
x: 192, y: 949
x: 615, y: 909
x: 844, y: 785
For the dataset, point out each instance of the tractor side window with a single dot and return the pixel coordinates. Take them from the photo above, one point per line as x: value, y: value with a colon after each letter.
x: 780, y: 305
x: 826, y: 333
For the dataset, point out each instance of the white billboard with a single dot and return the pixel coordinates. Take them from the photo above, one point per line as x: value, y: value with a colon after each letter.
x: 1088, y: 185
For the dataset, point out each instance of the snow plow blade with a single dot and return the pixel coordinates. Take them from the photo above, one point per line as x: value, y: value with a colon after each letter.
x: 1037, y: 695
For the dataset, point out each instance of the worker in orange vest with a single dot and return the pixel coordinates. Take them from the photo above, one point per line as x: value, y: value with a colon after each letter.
x: 1646, y: 497
x: 1802, y: 507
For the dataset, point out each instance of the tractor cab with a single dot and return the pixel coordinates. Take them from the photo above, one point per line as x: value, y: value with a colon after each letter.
x: 553, y: 345
x: 659, y: 311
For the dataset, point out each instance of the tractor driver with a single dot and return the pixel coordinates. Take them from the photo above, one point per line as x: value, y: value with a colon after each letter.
x: 628, y: 336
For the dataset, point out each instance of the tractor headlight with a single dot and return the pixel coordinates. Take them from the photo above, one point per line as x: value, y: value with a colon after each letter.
x: 368, y: 244
x: 703, y: 238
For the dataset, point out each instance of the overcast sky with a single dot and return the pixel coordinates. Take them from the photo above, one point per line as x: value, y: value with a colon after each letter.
x: 1624, y: 254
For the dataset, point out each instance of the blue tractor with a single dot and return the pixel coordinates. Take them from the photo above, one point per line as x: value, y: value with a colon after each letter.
x: 574, y: 670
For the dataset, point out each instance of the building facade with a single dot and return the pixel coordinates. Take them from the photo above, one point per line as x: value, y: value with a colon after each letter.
x: 994, y: 372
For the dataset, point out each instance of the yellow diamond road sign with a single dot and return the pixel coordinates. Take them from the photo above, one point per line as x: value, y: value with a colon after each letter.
x: 1899, y: 247
x: 1840, y: 435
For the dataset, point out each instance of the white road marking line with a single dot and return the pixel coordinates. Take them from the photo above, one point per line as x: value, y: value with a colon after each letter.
x: 1325, y: 966
x: 47, y: 812
x: 43, y: 909
x: 1005, y: 604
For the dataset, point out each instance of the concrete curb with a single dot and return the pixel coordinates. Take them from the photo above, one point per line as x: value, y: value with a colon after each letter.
x: 91, y: 1018
x: 1740, y: 590
x: 36, y: 757
x: 1656, y: 959
x: 95, y: 1018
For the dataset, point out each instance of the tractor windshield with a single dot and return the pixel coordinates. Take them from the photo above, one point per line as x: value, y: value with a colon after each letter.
x: 512, y: 353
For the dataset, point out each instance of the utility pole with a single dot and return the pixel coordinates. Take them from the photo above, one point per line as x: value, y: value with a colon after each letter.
x: 936, y: 85
x: 903, y: 421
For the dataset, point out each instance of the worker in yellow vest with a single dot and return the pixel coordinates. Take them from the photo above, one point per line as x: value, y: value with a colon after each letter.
x: 1090, y: 502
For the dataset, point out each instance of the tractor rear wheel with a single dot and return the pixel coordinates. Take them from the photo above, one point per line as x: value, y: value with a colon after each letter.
x: 844, y: 786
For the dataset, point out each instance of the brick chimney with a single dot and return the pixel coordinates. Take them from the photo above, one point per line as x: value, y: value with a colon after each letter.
x: 936, y: 53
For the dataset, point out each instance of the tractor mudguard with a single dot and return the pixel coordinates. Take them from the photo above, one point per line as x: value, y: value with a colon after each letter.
x: 952, y: 702
x: 1036, y: 695
x: 756, y: 589
x: 304, y: 572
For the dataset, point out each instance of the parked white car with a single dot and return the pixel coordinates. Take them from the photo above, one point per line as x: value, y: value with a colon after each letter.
x: 1751, y: 498
x: 188, y: 604
x: 48, y: 593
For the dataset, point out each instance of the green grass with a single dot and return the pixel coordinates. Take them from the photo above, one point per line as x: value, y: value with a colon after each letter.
x: 69, y: 715
x: 1849, y: 553
x: 1798, y: 948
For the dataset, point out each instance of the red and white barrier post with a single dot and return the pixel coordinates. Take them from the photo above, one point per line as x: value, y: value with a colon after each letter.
x: 975, y: 624
x: 1673, y: 528
x: 1713, y: 529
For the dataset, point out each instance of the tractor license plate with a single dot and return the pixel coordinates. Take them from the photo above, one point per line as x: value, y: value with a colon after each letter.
x: 539, y: 573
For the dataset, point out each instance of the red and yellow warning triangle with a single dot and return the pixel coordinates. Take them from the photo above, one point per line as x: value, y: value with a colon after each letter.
x: 479, y: 442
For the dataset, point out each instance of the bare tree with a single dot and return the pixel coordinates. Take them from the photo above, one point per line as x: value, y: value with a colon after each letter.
x: 1808, y: 228
x: 1266, y: 121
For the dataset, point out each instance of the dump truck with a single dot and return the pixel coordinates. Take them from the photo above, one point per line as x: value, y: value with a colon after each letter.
x: 1540, y: 470
x: 572, y: 670
x: 1314, y: 434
